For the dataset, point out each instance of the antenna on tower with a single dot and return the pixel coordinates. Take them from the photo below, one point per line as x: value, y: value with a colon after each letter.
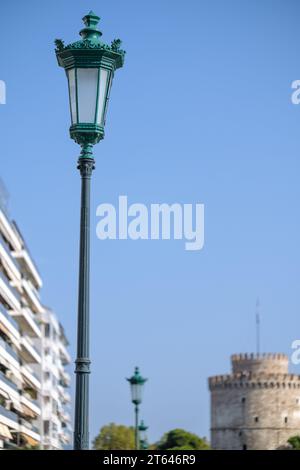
x: 257, y: 321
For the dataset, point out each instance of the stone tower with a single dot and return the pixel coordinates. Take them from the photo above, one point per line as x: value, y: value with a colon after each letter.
x: 257, y: 406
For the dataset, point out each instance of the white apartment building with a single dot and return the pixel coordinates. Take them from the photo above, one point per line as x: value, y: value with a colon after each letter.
x: 32, y: 352
x: 55, y: 399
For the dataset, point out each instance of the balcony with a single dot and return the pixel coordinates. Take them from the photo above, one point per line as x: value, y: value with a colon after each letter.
x: 10, y: 234
x: 30, y: 403
x: 50, y: 391
x: 7, y: 381
x: 28, y: 265
x: 8, y: 414
x: 27, y: 322
x: 9, y: 293
x: 65, y: 396
x: 8, y: 349
x: 64, y: 355
x: 9, y: 322
x: 28, y: 352
x: 64, y: 438
x: 30, y: 426
x: 32, y: 296
x: 52, y: 441
x: 30, y: 377
x: 30, y: 430
x: 64, y: 416
x: 65, y: 379
x: 9, y: 261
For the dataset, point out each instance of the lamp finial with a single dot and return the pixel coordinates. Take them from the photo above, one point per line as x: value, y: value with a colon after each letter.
x: 91, y: 21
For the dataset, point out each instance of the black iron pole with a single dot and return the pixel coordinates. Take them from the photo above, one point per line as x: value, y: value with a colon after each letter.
x: 82, y: 370
x: 137, y: 443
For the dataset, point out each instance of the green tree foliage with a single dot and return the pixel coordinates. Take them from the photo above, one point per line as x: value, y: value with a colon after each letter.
x: 179, y: 439
x: 295, y: 442
x: 114, y: 437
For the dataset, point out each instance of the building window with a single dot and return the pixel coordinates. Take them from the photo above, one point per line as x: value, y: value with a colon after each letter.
x: 46, y: 428
x: 243, y: 400
x: 285, y: 419
x: 47, y: 330
x: 244, y: 447
x: 256, y: 419
x: 54, y: 407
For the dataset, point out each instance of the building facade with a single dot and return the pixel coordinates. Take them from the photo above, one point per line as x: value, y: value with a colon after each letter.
x: 55, y: 398
x: 257, y: 406
x: 22, y: 337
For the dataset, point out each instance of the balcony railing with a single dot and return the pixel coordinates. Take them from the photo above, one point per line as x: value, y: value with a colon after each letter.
x: 9, y: 317
x: 27, y: 371
x: 4, y: 244
x: 30, y: 353
x: 8, y: 349
x: 32, y: 296
x: 32, y: 316
x: 31, y: 371
x: 27, y: 395
x: 30, y: 426
x: 25, y: 246
x: 8, y: 414
x: 11, y: 288
x: 6, y: 380
x: 36, y: 347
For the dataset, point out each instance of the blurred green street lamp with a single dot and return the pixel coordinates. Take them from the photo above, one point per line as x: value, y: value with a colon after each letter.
x: 142, y: 435
x: 136, y: 387
x: 90, y: 65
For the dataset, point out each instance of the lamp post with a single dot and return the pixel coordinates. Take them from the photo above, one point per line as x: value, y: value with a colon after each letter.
x: 136, y: 386
x: 90, y: 65
x: 142, y: 435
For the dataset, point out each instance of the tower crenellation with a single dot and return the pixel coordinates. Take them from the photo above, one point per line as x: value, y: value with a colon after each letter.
x: 260, y: 363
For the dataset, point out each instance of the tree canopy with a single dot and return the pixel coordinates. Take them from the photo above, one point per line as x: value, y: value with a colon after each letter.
x: 179, y: 439
x: 295, y: 442
x: 114, y: 437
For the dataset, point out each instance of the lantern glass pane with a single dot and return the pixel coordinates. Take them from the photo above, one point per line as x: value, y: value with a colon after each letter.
x: 103, y: 89
x: 136, y: 393
x: 72, y: 95
x: 87, y: 84
x: 107, y: 97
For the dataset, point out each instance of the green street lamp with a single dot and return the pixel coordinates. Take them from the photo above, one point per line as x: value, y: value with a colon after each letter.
x: 142, y: 435
x: 90, y: 65
x: 136, y: 387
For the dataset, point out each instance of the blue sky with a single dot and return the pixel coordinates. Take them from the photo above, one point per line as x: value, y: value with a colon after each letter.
x: 200, y: 113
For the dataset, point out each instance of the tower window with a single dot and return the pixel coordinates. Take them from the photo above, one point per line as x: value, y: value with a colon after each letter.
x: 243, y: 400
x: 244, y: 447
x: 285, y: 419
x: 256, y: 419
